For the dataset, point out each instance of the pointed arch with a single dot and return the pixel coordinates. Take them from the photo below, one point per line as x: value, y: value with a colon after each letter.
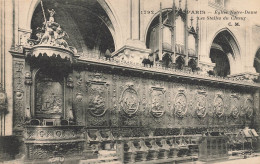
x: 146, y: 33
x: 224, y: 51
x: 234, y: 42
x: 117, y: 31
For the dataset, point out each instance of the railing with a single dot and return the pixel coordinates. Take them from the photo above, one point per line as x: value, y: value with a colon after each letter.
x: 148, y: 148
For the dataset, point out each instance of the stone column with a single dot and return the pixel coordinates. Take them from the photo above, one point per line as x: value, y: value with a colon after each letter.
x: 7, y: 25
x: 135, y: 18
x: 134, y: 50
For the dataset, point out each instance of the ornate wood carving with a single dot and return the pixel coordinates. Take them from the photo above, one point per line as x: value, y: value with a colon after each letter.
x: 235, y: 106
x: 97, y: 95
x: 49, y: 99
x: 79, y: 96
x: 129, y: 102
x: 201, y: 104
x: 180, y: 106
x: 97, y: 102
x: 219, y: 105
x: 249, y: 107
x: 18, y: 84
x: 158, y: 101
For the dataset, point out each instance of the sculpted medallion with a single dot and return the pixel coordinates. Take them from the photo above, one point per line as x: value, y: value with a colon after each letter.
x: 158, y: 97
x: 201, y: 104
x: 97, y: 99
x: 180, y: 105
x: 129, y: 101
x: 219, y: 105
x: 249, y: 109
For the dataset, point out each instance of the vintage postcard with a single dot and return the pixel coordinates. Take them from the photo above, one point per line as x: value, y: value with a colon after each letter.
x: 130, y: 81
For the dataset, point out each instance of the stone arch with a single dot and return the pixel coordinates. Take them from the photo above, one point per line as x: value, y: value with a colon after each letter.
x: 151, y: 20
x: 180, y: 62
x: 117, y: 36
x: 224, y: 42
x: 234, y: 43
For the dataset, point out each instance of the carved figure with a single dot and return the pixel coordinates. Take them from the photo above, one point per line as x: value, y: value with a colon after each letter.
x: 52, y: 12
x: 235, y: 112
x: 201, y: 109
x: 180, y: 105
x: 60, y: 37
x: 97, y: 105
x: 70, y: 114
x: 129, y: 101
x: 249, y: 108
x: 48, y: 36
x: 219, y: 108
x: 157, y: 109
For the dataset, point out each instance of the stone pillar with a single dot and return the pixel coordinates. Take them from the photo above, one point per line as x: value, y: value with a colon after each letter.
x: 186, y: 35
x: 134, y: 50
x: 7, y: 25
x: 135, y: 18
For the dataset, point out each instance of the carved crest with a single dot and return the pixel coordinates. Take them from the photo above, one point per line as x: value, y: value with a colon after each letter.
x: 180, y: 105
x: 158, y: 97
x: 219, y: 105
x: 129, y: 101
x: 201, y: 104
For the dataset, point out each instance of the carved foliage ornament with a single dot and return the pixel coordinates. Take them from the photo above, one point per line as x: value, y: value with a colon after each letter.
x: 219, y: 105
x: 129, y: 102
x: 158, y: 99
x: 97, y: 103
x: 180, y: 105
x: 201, y: 104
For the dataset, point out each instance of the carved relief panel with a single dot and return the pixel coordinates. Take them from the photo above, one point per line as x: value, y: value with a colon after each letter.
x: 97, y: 103
x: 235, y: 106
x: 49, y: 96
x: 201, y: 104
x: 180, y: 105
x: 219, y: 105
x: 249, y: 107
x: 157, y: 108
x: 129, y: 104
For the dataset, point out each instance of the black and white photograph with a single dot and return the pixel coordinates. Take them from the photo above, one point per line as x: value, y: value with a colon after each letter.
x: 130, y: 81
